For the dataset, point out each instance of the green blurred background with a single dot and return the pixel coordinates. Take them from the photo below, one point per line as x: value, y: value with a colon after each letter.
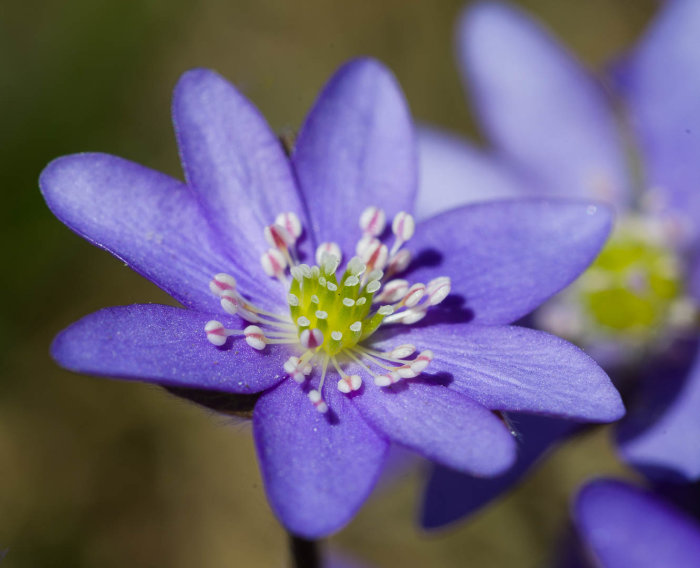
x: 97, y: 473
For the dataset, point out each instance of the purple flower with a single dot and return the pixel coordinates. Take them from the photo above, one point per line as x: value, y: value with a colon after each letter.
x: 621, y: 525
x: 334, y: 392
x: 555, y: 131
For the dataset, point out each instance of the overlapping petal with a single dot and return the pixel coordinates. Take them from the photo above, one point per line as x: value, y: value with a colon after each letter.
x: 143, y: 217
x: 660, y: 83
x: 167, y: 346
x: 318, y: 469
x: 234, y: 164
x: 539, y: 107
x: 441, y: 424
x: 624, y: 526
x: 356, y: 149
x: 455, y: 173
x: 506, y: 258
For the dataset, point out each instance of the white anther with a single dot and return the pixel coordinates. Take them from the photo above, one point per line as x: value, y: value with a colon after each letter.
x: 216, y: 332
x: 296, y: 370
x: 399, y: 261
x: 317, y: 401
x: 255, y: 337
x: 303, y: 321
x: 306, y: 271
x: 402, y: 351
x: 315, y: 272
x: 419, y: 364
x: 414, y: 295
x: 408, y: 317
x: 363, y: 243
x: 296, y: 273
x: 373, y: 286
x: 375, y: 255
x: 329, y: 262
x: 373, y: 221
x: 387, y: 379
x: 311, y: 338
x: 290, y: 222
x: 230, y: 302
x: 278, y: 237
x: 292, y: 300
x: 403, y: 226
x: 222, y: 282
x: 328, y: 248
x: 375, y: 275
x: 356, y: 267
x: 438, y: 289
x: 393, y: 291
x: 351, y: 281
x: 349, y: 383
x: 273, y: 263
x: 406, y: 372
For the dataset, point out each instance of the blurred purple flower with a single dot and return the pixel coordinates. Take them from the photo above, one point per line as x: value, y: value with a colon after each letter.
x: 554, y: 130
x: 620, y: 525
x: 355, y: 151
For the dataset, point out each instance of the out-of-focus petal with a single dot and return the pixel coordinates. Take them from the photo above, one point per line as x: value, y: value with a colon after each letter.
x: 441, y: 424
x: 660, y: 82
x: 540, y: 107
x: 234, y: 163
x: 507, y: 257
x: 318, y: 468
x: 167, y: 346
x: 148, y: 220
x: 356, y: 149
x: 624, y: 526
x: 455, y: 173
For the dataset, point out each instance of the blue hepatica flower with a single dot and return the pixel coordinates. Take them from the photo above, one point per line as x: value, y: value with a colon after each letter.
x: 338, y: 347
x: 620, y: 525
x: 556, y: 131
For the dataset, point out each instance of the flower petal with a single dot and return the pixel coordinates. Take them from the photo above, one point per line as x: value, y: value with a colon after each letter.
x: 454, y: 173
x: 662, y: 431
x: 167, y: 346
x: 661, y: 84
x: 441, y: 424
x: 518, y: 369
x: 233, y: 162
x: 624, y: 526
x: 505, y: 258
x: 148, y: 220
x: 451, y: 496
x: 540, y: 107
x: 318, y: 468
x: 356, y: 149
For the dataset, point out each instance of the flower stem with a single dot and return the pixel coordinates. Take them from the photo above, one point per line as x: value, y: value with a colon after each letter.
x: 305, y: 553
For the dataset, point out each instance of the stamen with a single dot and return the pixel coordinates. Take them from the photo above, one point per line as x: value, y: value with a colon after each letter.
x: 274, y: 263
x: 317, y: 401
x: 229, y: 302
x: 399, y: 261
x: 408, y: 317
x: 375, y: 255
x: 297, y: 369
x: 222, y: 282
x: 393, y: 291
x: 311, y: 338
x: 403, y: 226
x: 216, y: 332
x: 328, y: 248
x: 438, y: 289
x: 414, y: 295
x: 278, y: 237
x: 373, y: 221
x: 255, y: 337
x: 291, y: 223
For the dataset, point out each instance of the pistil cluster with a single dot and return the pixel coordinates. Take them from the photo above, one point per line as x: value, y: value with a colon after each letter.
x: 333, y: 312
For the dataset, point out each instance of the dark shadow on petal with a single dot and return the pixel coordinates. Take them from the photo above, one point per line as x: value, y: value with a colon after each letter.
x: 240, y: 405
x: 425, y: 258
x: 442, y: 379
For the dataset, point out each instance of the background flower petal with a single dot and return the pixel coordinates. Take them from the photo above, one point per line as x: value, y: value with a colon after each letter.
x: 167, y: 346
x: 453, y: 172
x: 440, y: 424
x: 234, y: 163
x: 539, y: 106
x: 660, y: 83
x: 151, y: 222
x: 318, y: 468
x: 518, y: 369
x: 624, y: 526
x: 356, y: 149
x: 507, y: 257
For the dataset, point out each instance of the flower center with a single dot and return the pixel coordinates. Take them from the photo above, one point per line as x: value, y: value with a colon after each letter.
x: 332, y: 312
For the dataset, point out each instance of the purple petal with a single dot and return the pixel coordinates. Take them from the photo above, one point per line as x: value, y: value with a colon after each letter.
x: 624, y: 526
x: 661, y: 435
x: 539, y: 107
x: 661, y: 82
x: 167, y: 346
x: 518, y: 369
x: 454, y: 173
x: 506, y: 258
x: 234, y: 163
x: 318, y: 469
x: 356, y: 149
x: 148, y: 220
x: 441, y: 424
x: 451, y: 496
